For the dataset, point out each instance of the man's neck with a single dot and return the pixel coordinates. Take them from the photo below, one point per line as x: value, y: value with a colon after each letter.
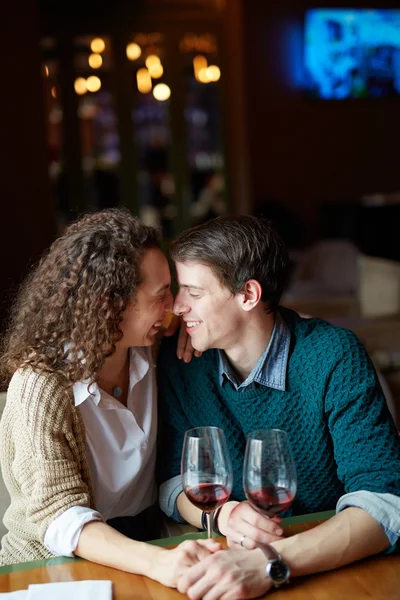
x: 253, y: 339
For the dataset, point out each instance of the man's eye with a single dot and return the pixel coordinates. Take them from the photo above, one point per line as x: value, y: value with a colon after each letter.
x: 194, y: 295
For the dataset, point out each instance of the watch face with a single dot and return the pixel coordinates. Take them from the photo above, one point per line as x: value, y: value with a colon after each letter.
x: 278, y: 571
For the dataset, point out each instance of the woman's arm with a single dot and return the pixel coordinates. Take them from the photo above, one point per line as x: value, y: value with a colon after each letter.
x: 101, y: 543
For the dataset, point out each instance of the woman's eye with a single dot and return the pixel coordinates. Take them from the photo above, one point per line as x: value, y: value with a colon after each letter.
x: 194, y: 295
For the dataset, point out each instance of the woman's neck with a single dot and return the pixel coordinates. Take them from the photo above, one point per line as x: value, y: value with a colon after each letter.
x: 114, y: 365
x: 114, y: 376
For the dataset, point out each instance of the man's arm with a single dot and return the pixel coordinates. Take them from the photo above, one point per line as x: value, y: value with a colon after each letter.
x: 269, y: 528
x: 349, y: 536
x: 188, y: 511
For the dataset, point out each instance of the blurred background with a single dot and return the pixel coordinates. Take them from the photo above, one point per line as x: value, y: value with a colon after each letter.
x: 182, y: 110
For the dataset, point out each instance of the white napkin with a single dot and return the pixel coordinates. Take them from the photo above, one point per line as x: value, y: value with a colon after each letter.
x: 78, y: 590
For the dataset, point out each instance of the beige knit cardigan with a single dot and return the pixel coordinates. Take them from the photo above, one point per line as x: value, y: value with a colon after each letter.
x: 43, y: 460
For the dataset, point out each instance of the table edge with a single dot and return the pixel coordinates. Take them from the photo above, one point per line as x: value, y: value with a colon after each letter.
x: 169, y: 541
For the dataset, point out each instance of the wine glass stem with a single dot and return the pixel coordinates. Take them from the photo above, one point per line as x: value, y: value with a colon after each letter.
x: 209, y: 520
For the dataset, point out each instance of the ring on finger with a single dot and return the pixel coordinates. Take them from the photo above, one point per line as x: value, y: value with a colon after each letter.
x: 242, y: 540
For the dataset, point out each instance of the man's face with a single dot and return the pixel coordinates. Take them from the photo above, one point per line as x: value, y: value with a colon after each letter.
x: 143, y: 317
x: 211, y: 312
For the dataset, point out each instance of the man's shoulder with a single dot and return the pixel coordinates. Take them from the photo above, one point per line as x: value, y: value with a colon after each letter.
x: 319, y: 334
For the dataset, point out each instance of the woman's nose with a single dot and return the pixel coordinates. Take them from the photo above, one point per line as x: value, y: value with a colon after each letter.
x: 169, y: 302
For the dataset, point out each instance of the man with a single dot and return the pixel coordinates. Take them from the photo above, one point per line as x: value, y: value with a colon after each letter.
x: 266, y: 367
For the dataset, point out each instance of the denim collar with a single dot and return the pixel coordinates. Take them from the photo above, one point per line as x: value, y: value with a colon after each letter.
x: 270, y: 369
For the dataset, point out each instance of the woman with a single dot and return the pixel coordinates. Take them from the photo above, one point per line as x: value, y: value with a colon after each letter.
x: 78, y: 433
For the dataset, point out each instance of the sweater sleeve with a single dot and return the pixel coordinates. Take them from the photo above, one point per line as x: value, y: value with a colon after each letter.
x: 51, y: 478
x: 365, y: 442
x: 173, y: 421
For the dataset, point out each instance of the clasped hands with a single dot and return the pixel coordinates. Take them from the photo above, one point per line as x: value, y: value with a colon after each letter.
x: 237, y: 573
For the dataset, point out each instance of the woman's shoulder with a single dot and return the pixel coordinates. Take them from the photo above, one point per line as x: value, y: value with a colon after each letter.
x: 30, y: 376
x: 27, y: 384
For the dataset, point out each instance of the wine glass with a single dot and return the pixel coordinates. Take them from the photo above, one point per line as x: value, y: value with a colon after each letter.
x: 206, y: 470
x: 269, y: 472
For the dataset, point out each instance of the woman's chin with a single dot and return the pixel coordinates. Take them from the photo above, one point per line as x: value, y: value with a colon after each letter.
x: 150, y: 338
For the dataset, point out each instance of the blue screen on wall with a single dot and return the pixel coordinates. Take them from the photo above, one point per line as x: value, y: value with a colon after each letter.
x: 352, y: 53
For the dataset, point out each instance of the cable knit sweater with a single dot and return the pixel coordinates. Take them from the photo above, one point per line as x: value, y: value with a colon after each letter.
x: 342, y: 436
x: 43, y: 460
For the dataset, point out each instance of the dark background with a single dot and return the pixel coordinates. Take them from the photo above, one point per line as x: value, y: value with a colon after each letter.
x: 304, y: 162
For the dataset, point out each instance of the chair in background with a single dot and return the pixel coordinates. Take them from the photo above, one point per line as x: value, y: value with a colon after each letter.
x: 325, y: 280
x: 379, y: 286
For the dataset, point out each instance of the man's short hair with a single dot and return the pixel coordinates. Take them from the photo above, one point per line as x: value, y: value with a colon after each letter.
x: 238, y: 248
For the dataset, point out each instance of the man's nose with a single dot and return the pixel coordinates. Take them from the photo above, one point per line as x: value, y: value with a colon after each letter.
x: 180, y: 308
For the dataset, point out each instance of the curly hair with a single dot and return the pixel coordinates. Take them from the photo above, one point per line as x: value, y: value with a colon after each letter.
x: 68, y: 311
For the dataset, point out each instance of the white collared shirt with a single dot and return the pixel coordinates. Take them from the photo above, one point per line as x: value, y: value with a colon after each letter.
x: 121, y: 452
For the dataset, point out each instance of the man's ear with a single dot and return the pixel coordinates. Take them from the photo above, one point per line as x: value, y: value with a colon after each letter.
x: 250, y: 295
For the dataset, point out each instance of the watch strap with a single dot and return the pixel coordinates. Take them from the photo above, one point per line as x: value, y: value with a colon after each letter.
x: 274, y: 558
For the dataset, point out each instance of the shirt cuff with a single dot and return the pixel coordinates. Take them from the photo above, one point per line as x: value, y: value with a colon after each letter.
x: 169, y: 492
x: 385, y: 508
x: 62, y: 535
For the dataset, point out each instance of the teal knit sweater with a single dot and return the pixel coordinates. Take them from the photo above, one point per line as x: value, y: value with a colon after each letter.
x: 342, y: 436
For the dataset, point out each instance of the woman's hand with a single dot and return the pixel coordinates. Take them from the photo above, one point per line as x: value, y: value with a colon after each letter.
x: 227, y: 575
x: 184, y: 349
x: 172, y: 564
x: 245, y: 528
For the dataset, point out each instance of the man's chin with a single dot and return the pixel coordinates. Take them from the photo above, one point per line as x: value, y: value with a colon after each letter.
x: 199, y: 347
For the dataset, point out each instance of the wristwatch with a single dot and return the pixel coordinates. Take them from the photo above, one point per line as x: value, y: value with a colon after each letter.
x: 277, y: 569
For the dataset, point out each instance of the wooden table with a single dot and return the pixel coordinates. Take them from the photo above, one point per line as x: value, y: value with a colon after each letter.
x: 377, y: 578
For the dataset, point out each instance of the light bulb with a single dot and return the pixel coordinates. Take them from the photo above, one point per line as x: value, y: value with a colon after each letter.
x: 97, y: 45
x: 93, y: 83
x: 80, y: 86
x: 161, y: 92
x: 95, y: 61
x: 133, y: 51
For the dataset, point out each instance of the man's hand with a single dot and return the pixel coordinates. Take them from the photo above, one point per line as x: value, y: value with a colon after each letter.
x: 226, y: 575
x: 185, y: 349
x: 172, y: 564
x: 246, y: 528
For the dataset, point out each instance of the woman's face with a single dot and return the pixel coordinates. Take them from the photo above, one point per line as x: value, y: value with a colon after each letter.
x: 143, y: 317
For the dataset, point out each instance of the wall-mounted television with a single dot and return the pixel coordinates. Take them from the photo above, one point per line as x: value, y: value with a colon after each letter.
x: 352, y: 53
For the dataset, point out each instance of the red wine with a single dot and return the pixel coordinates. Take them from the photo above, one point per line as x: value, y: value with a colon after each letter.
x: 271, y: 500
x: 207, y: 496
